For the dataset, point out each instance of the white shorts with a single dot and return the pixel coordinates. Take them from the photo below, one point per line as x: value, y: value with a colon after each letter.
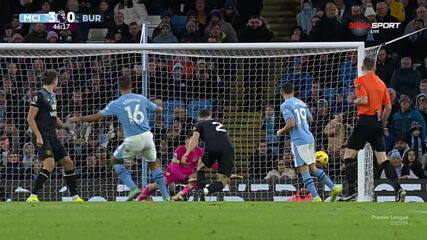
x: 303, y: 154
x: 135, y: 146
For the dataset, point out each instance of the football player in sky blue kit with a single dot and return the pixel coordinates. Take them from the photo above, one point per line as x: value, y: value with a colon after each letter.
x: 131, y: 111
x: 297, y: 117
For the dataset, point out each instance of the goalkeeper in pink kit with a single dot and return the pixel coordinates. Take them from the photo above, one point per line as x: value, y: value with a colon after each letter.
x: 178, y: 172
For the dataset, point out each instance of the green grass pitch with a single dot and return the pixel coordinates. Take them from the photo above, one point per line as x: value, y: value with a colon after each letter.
x: 208, y: 220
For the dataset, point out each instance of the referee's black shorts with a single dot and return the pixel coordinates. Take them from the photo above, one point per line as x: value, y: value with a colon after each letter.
x: 52, y: 148
x: 367, y: 129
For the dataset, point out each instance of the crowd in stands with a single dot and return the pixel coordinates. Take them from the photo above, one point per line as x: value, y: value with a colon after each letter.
x: 185, y: 85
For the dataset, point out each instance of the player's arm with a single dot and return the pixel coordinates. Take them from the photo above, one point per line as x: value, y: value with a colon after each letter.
x: 159, y: 104
x: 89, y: 118
x: 290, y: 124
x: 387, y: 106
x: 194, y: 141
x: 31, y: 119
x: 361, y: 97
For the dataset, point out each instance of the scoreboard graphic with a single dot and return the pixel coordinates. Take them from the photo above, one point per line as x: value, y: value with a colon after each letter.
x: 61, y: 20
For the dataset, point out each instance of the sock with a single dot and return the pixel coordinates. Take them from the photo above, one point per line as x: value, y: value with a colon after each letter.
x: 190, y: 186
x: 124, y: 175
x: 158, y: 178
x: 215, y: 166
x: 201, y: 179
x: 41, y: 178
x: 321, y: 176
x: 215, y: 187
x: 309, y: 183
x: 350, y: 171
x: 391, y: 174
x: 70, y: 178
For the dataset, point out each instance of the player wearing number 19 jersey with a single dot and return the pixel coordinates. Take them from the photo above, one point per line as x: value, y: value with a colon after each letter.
x: 131, y: 110
x: 297, y: 117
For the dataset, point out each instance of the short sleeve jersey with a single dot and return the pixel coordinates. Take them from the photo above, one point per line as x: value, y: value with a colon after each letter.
x: 371, y: 86
x: 296, y: 109
x: 214, y: 135
x: 46, y: 116
x: 132, y: 112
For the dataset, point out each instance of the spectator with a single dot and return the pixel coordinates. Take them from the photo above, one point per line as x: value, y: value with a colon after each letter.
x: 164, y: 153
x: 165, y: 35
x: 134, y: 33
x: 28, y: 155
x: 38, y: 35
x: 17, y: 38
x: 186, y: 122
x: 3, y: 108
x: 337, y: 132
x: 423, y: 86
x: 298, y: 35
x: 90, y: 168
x: 312, y: 99
x: 299, y: 77
x: 261, y: 161
x: 255, y: 31
x: 176, y: 87
x: 405, y: 80
x: 348, y: 72
x: 397, y: 9
x: 401, y: 145
x: 172, y: 136
x: 341, y: 11
x: 7, y: 33
x: 201, y: 16
x: 385, y: 35
x: 216, y: 35
x: 302, y: 195
x: 354, y: 16
x: 232, y: 16
x: 314, y: 22
x: 401, y: 124
x: 412, y: 165
x: 271, y: 124
x: 17, y: 26
x: 52, y: 37
x: 165, y: 18
x: 328, y: 29
x: 396, y: 160
x: 215, y: 18
x: 191, y: 35
x: 421, y: 14
x: 385, y: 66
x: 119, y: 26
x: 284, y: 170
x: 395, y: 106
x: 416, y: 142
x: 421, y: 105
x: 107, y: 14
x: 414, y: 46
x: 370, y: 16
x: 14, y: 167
x: 422, y: 69
x: 132, y: 11
x: 320, y: 120
x: 305, y: 16
x: 35, y: 168
x: 11, y: 133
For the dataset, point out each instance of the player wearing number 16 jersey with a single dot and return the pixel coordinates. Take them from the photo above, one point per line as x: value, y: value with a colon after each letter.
x: 297, y: 117
x: 218, y: 149
x: 131, y: 110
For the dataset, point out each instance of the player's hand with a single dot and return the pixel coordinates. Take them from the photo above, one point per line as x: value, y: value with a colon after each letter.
x: 158, y: 102
x: 279, y: 133
x: 39, y: 142
x: 184, y: 158
x: 351, y: 97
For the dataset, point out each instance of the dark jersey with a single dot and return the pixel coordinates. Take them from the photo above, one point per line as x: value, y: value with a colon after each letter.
x: 214, y: 135
x: 46, y: 116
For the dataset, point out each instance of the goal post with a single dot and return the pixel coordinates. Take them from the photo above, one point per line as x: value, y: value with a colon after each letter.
x: 238, y: 82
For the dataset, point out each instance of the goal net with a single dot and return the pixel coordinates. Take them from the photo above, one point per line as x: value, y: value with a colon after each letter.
x: 239, y: 83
